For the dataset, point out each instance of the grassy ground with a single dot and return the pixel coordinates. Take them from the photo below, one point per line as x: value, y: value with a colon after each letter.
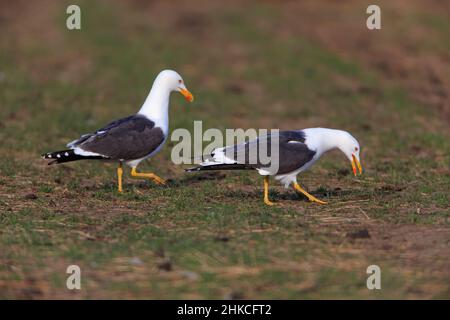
x: 210, y: 236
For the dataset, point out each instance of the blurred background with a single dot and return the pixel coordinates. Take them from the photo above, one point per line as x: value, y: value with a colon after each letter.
x: 249, y: 64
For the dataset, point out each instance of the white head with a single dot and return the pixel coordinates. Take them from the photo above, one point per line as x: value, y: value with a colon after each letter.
x: 172, y: 81
x: 350, y: 147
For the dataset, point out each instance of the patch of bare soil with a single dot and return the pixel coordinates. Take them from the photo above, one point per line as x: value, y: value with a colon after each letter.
x: 424, y: 247
x: 407, y: 50
x: 26, y: 25
x: 410, y: 49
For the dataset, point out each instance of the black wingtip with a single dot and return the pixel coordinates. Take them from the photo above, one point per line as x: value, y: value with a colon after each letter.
x: 47, y: 156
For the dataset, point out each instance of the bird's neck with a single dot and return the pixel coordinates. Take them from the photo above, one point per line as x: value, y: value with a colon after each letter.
x: 156, y: 106
x: 323, y: 139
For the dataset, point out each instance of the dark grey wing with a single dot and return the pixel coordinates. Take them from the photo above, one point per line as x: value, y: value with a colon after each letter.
x: 126, y: 139
x: 292, y: 152
x: 110, y: 125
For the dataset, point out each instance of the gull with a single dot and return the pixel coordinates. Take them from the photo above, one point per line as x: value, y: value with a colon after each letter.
x: 298, y: 150
x: 132, y: 139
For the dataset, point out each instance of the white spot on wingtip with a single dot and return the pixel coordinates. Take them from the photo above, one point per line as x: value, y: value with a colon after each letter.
x: 58, y: 155
x: 85, y: 153
x: 66, y: 154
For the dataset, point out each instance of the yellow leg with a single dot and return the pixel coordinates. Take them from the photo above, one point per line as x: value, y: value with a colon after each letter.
x: 119, y: 177
x: 149, y: 175
x: 309, y: 196
x: 266, y: 192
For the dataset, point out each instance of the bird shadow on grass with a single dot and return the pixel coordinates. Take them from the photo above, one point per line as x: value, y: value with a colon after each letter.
x: 258, y: 194
x: 192, y: 179
x: 292, y: 195
x: 142, y: 184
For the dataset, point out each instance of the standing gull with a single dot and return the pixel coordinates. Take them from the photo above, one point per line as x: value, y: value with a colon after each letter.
x: 132, y: 139
x: 298, y: 150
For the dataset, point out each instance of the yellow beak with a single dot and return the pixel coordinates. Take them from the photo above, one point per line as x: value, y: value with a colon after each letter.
x: 356, y: 163
x: 189, y: 97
